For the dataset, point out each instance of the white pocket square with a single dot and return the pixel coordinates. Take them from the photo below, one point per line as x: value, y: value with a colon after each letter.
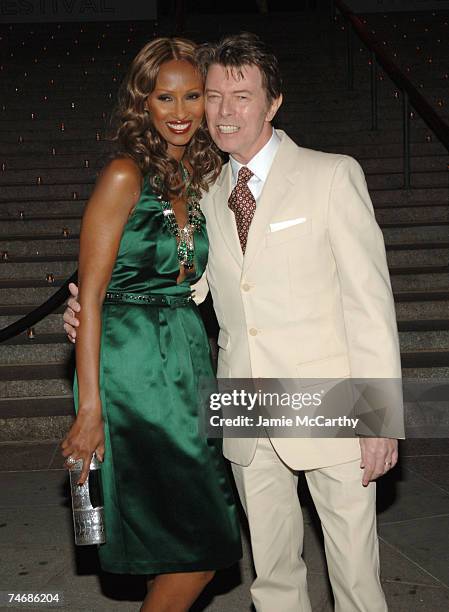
x: 280, y: 225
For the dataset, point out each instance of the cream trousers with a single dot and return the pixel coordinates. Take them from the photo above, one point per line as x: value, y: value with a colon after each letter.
x: 347, y: 510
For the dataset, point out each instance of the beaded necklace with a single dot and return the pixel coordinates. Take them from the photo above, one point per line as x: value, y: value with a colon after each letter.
x: 184, y: 235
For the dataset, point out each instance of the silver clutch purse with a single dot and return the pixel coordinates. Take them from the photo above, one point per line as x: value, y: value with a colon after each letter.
x: 87, y: 504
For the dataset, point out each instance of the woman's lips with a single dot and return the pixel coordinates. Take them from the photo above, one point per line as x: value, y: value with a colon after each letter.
x: 179, y: 128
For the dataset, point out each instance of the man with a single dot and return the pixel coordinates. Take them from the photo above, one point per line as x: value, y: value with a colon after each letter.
x: 300, y: 286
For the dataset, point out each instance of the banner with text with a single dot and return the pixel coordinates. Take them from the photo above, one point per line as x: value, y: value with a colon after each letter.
x: 42, y: 11
x: 387, y: 6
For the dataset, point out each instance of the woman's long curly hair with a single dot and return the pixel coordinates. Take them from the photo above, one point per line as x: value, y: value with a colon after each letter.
x: 136, y: 136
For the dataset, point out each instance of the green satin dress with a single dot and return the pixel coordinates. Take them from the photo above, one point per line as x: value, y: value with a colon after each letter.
x: 167, y: 498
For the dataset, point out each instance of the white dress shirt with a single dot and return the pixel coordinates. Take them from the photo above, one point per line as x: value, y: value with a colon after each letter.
x: 259, y: 165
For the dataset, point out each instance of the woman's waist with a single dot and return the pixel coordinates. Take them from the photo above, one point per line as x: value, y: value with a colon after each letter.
x: 170, y: 300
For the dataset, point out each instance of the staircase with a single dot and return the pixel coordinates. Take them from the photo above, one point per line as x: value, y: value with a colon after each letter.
x: 60, y: 85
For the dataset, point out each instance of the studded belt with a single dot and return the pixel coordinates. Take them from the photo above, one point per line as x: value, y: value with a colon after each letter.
x: 150, y: 299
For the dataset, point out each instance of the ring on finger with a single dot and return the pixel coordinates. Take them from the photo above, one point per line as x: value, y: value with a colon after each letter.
x: 70, y: 460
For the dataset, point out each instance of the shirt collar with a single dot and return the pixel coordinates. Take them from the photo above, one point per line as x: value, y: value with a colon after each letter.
x: 260, y: 164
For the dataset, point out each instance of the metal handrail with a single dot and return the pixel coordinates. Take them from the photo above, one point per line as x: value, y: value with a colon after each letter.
x: 411, y: 96
x: 39, y: 313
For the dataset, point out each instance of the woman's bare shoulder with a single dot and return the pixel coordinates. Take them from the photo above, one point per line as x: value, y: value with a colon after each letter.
x: 119, y: 186
x: 122, y: 171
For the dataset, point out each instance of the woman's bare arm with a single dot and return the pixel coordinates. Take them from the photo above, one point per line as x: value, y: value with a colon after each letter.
x: 105, y: 217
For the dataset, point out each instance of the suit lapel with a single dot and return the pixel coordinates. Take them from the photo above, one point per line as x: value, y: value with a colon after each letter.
x: 225, y: 216
x: 279, y: 184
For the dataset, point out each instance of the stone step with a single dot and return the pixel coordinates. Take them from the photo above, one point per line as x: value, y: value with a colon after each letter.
x: 11, y: 408
x: 416, y: 234
x: 395, y: 197
x: 37, y: 270
x: 29, y: 352
x: 419, y: 164
x: 47, y: 177
x: 390, y: 117
x: 393, y: 180
x: 414, y: 373
x: 71, y: 118
x: 389, y: 205
x: 38, y: 258
x: 30, y: 226
x: 430, y: 295
x: 433, y: 360
x: 362, y: 135
x: 44, y: 339
x: 48, y: 161
x: 33, y: 428
x: 49, y: 325
x: 36, y: 371
x: 56, y: 136
x: 420, y: 282
x: 42, y: 208
x: 70, y: 190
x: 26, y: 295
x: 43, y: 247
x: 425, y: 311
x: 15, y: 389
x: 90, y: 146
x: 430, y: 325
x: 431, y: 256
x: 377, y: 151
x: 418, y: 214
x: 18, y: 283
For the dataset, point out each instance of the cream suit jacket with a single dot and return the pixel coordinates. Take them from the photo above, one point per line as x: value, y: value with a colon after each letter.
x: 311, y: 300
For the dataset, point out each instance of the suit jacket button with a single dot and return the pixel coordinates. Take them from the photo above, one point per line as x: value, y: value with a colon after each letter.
x: 246, y: 287
x: 253, y: 331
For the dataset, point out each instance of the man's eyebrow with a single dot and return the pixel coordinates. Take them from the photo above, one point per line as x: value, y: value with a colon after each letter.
x: 235, y: 91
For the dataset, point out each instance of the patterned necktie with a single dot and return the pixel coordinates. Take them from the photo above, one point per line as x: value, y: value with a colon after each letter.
x: 242, y: 203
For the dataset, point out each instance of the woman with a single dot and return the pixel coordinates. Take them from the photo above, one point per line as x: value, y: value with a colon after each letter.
x: 141, y: 347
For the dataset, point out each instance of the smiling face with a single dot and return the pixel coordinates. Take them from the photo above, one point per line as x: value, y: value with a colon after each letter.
x: 238, y: 111
x: 176, y: 104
